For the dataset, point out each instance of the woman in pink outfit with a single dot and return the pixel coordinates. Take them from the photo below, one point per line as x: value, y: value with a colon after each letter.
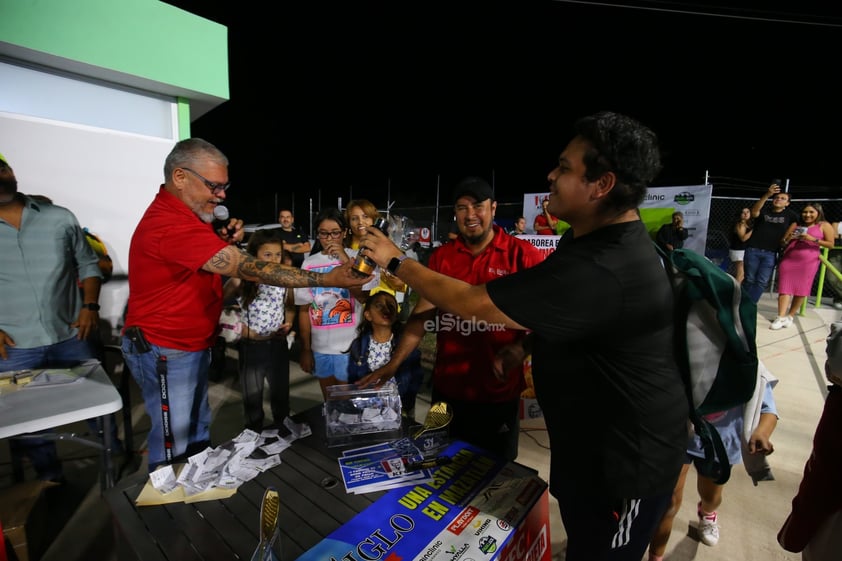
x: 800, y: 261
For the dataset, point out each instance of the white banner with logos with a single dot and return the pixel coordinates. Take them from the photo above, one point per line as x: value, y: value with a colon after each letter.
x: 546, y: 244
x: 657, y: 208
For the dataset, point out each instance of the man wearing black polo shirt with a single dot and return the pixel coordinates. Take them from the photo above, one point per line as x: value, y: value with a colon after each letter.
x: 295, y: 240
x: 601, y: 311
x: 762, y: 247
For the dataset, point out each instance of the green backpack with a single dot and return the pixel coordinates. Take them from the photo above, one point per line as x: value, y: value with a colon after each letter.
x: 715, y: 346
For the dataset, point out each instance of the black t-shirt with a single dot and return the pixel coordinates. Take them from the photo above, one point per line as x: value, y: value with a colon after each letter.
x: 294, y: 236
x: 667, y: 234
x: 601, y: 309
x: 734, y: 240
x: 769, y: 229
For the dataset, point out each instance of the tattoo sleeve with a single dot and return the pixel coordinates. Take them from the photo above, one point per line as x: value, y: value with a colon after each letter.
x: 234, y: 262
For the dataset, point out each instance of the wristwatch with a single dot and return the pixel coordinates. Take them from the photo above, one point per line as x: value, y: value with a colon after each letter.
x: 91, y: 306
x: 393, y: 265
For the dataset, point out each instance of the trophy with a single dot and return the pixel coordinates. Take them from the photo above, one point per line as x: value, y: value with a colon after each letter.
x: 403, y: 232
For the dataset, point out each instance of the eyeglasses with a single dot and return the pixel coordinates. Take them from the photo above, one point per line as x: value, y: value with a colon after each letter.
x: 335, y: 234
x: 214, y: 187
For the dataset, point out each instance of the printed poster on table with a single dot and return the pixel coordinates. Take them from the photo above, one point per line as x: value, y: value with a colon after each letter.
x: 476, y: 507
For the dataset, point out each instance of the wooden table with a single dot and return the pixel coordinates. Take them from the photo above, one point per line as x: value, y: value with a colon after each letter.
x: 44, y: 408
x: 313, y: 504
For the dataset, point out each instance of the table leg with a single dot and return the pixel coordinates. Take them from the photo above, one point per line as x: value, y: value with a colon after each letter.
x: 107, y: 478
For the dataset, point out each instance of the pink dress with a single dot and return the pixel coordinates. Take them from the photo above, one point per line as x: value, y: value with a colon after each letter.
x: 799, y: 264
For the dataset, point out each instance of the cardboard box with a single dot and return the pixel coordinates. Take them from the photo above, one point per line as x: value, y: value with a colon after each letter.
x: 23, y: 512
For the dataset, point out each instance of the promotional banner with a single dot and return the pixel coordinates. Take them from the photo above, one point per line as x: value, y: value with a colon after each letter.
x: 691, y: 200
x: 545, y: 244
x: 476, y: 507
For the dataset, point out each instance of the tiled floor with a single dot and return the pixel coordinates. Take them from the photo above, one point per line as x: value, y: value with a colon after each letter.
x: 79, y: 525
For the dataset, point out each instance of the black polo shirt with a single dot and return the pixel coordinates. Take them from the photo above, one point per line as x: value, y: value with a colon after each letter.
x: 601, y: 309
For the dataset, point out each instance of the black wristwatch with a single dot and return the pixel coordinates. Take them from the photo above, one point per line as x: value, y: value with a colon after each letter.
x: 91, y: 306
x: 393, y: 265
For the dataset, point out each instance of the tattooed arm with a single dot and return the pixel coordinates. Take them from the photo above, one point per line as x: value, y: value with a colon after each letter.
x: 234, y: 262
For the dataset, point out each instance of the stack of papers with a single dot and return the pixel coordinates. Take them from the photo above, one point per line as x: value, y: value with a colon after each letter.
x: 53, y: 376
x: 380, y: 467
x: 35, y: 377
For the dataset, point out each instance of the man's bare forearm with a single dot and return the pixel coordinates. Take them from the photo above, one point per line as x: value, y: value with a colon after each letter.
x: 234, y: 262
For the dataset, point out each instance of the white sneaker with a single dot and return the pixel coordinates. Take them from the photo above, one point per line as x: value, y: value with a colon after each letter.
x: 778, y: 323
x: 788, y: 321
x: 708, y: 528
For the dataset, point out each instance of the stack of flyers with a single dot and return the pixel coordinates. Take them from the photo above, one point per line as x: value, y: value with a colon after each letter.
x: 381, y: 467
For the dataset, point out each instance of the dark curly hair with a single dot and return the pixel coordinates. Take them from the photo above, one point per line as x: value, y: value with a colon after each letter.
x: 627, y: 148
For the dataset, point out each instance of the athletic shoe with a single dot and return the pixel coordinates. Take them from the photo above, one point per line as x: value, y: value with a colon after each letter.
x: 788, y: 321
x: 779, y: 323
x: 708, y: 528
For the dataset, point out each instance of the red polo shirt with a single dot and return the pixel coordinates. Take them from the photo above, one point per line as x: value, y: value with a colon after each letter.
x: 466, y: 347
x: 174, y: 302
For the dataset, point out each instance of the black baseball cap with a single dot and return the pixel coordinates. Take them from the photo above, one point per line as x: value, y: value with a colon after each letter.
x: 475, y: 187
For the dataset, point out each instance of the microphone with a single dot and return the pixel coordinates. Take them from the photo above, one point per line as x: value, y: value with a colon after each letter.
x: 220, y: 217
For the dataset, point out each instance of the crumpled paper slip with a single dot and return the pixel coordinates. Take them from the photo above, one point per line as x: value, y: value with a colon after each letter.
x: 216, y: 473
x: 150, y: 496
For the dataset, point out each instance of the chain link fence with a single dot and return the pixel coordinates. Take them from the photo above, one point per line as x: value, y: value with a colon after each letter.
x: 723, y: 215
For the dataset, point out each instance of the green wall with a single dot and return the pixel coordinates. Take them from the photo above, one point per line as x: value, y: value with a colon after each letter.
x: 144, y: 38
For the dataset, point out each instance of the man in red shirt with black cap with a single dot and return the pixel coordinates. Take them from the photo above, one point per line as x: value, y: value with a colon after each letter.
x: 469, y: 372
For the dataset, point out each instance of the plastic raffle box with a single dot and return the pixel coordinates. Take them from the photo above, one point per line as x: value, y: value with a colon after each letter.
x: 477, y: 507
x: 360, y: 416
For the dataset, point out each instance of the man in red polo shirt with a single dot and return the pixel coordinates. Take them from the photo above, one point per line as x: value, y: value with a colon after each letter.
x: 176, y: 262
x: 469, y: 373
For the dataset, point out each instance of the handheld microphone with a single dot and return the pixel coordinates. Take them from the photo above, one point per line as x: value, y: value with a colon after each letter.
x: 220, y: 217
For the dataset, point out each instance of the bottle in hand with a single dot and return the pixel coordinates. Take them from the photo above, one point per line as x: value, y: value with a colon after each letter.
x: 364, y: 266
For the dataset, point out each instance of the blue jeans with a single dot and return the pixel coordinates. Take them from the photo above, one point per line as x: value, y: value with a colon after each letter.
x: 758, y: 265
x: 187, y: 390
x: 40, y: 451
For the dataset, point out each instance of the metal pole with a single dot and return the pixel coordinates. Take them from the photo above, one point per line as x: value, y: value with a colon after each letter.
x: 436, y: 217
x: 310, y: 217
x: 388, y: 196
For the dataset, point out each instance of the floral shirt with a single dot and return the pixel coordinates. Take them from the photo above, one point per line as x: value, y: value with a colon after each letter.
x: 379, y: 354
x: 265, y: 315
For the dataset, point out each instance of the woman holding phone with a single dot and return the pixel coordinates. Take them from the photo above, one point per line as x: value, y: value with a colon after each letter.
x: 800, y: 261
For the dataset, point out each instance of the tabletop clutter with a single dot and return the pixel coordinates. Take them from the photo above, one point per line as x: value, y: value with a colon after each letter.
x: 388, y: 454
x: 229, y: 465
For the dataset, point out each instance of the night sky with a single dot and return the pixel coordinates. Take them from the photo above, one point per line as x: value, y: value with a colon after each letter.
x: 344, y: 100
